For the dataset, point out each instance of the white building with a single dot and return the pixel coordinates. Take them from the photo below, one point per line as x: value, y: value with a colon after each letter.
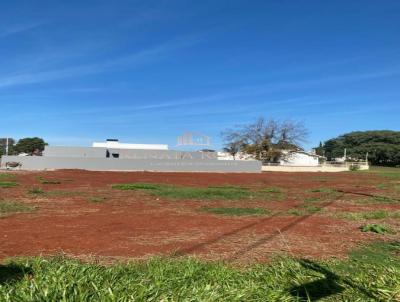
x: 115, y: 144
x: 299, y: 158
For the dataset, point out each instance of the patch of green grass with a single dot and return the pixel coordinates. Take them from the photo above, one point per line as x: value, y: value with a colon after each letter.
x: 237, y: 211
x: 376, y: 228
x: 383, y: 186
x: 49, y: 181
x: 271, y: 190
x: 304, y: 210
x: 8, y: 207
x: 8, y: 184
x: 311, y: 209
x: 295, y: 212
x: 6, y: 176
x: 384, y: 199
x: 370, y: 274
x: 380, y: 214
x: 376, y: 199
x: 97, y: 199
x: 35, y: 191
x: 312, y: 199
x: 385, y: 172
x: 194, y: 193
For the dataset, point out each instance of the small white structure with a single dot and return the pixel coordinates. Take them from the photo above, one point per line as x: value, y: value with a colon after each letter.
x: 299, y: 158
x: 238, y: 156
x: 115, y: 144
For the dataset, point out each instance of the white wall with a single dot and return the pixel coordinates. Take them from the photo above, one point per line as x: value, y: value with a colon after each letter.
x: 299, y: 159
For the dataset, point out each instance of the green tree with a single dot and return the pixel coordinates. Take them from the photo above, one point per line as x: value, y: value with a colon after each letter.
x: 3, y: 146
x: 30, y: 145
x: 382, y: 146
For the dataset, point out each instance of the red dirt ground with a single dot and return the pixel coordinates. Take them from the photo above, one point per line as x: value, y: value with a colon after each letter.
x: 131, y: 224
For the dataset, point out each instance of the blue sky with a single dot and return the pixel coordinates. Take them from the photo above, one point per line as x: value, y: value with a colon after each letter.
x: 146, y: 71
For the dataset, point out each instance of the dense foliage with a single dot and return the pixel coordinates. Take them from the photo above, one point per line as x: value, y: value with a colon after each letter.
x: 371, y: 274
x: 383, y: 147
x: 30, y: 145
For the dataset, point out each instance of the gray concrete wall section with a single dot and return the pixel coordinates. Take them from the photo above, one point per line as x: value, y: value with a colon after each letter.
x: 89, y: 152
x: 74, y: 152
x: 110, y: 164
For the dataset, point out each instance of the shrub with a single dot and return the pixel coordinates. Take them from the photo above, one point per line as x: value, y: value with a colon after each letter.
x: 375, y: 228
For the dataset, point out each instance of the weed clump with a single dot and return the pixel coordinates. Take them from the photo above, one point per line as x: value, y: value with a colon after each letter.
x: 376, y: 228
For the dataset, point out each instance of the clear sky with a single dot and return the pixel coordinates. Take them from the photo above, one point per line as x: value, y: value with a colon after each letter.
x: 146, y: 71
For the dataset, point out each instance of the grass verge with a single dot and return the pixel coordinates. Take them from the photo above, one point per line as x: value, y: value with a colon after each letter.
x: 370, y: 274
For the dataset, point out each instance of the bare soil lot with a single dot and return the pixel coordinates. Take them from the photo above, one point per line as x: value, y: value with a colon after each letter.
x: 81, y: 214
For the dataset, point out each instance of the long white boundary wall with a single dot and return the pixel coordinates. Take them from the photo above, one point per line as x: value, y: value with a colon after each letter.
x: 111, y: 164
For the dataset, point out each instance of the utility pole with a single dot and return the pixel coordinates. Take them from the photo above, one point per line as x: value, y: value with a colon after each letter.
x: 345, y: 154
x: 7, y: 146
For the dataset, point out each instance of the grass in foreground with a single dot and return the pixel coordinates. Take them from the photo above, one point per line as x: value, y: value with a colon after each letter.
x: 370, y: 274
x: 7, y: 176
x: 237, y: 211
x: 8, y: 184
x: 210, y: 193
x: 367, y: 215
x: 8, y: 207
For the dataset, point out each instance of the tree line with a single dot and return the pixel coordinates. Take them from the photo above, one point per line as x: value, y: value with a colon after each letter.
x: 381, y: 146
x: 29, y: 145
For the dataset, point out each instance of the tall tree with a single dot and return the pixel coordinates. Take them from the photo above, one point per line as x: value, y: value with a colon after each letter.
x: 30, y: 145
x: 265, y: 139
